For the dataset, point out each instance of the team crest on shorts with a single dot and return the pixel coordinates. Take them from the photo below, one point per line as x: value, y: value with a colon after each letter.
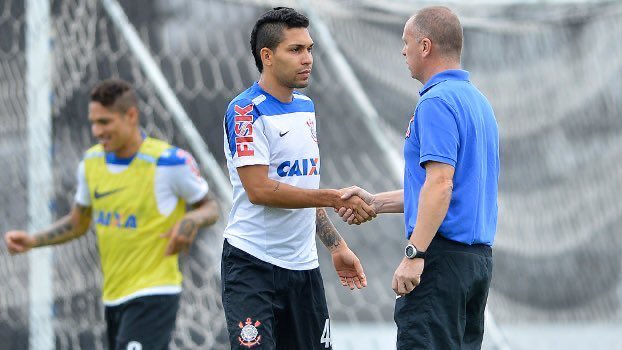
x: 311, y: 125
x: 249, y: 335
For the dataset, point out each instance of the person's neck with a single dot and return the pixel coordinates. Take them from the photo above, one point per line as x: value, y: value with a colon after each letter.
x: 132, y: 147
x: 439, y: 66
x: 269, y: 84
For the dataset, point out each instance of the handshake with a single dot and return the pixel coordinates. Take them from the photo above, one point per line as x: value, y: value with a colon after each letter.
x: 356, y: 205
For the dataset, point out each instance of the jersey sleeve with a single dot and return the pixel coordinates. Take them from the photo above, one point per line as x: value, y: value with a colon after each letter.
x: 437, y: 132
x: 83, y: 196
x: 246, y: 139
x: 178, y: 171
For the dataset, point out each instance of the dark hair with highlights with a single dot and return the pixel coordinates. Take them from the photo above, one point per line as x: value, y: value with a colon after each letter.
x: 114, y: 94
x: 268, y: 31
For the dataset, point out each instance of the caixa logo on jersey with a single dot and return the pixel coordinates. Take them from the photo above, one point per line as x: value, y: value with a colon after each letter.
x: 299, y: 167
x: 115, y: 219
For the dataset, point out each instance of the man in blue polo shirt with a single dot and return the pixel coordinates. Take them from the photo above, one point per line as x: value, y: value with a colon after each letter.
x: 450, y: 194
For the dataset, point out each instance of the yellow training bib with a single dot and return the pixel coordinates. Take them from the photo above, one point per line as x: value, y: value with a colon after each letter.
x: 129, y: 224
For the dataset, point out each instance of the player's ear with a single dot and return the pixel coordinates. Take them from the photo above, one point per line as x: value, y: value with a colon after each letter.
x: 132, y: 114
x: 266, y: 56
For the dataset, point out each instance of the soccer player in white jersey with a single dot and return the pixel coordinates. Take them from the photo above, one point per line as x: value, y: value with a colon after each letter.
x: 134, y: 190
x: 272, y: 289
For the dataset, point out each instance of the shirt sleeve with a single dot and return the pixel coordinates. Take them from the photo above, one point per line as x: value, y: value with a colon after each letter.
x: 185, y: 178
x: 437, y: 132
x: 83, y: 196
x: 247, y: 141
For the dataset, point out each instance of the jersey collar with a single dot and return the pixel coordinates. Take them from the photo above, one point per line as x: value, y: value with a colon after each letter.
x: 111, y: 158
x: 450, y: 74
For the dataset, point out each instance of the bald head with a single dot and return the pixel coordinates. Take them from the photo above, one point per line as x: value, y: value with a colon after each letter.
x: 442, y: 27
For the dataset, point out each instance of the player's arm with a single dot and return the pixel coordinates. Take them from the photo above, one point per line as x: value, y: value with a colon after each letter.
x: 385, y: 202
x: 346, y: 263
x: 71, y: 226
x: 205, y: 212
x: 186, y: 182
x: 262, y: 190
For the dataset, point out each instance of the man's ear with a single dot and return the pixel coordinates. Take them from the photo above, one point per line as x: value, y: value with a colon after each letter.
x: 266, y: 55
x: 426, y: 47
x: 133, y: 114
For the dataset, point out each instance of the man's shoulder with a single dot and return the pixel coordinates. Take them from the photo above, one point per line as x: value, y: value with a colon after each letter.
x: 174, y: 156
x: 94, y: 151
x: 248, y: 97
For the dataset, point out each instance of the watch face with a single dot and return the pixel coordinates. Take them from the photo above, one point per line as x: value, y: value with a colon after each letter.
x: 410, y: 251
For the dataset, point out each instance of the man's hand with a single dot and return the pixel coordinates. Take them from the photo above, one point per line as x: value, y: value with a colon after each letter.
x: 407, y: 276
x: 359, y: 210
x: 348, y: 215
x: 18, y: 241
x: 349, y: 268
x: 180, y: 237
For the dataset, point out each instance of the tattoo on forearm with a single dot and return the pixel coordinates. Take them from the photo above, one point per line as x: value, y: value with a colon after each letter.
x: 57, y: 234
x: 187, y: 227
x: 86, y: 211
x: 276, y: 188
x: 326, y: 230
x: 64, y: 229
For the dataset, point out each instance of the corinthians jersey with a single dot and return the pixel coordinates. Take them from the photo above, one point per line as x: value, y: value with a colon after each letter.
x: 134, y: 201
x: 261, y: 130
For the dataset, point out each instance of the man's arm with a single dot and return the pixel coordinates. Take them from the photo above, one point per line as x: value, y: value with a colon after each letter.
x: 434, y: 199
x: 71, y: 226
x: 346, y: 263
x: 205, y: 212
x: 385, y: 202
x: 262, y: 190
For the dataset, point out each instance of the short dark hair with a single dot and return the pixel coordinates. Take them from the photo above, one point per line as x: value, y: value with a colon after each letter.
x: 268, y: 30
x: 115, y: 94
x: 442, y: 27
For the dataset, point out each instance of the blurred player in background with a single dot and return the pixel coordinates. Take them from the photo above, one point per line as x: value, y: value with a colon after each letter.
x: 449, y: 199
x: 134, y: 189
x: 272, y: 289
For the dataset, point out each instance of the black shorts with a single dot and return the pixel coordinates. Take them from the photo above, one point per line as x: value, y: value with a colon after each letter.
x: 143, y: 323
x: 446, y: 310
x: 268, y: 307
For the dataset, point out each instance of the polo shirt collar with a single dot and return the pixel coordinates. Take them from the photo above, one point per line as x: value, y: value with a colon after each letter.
x: 450, y: 74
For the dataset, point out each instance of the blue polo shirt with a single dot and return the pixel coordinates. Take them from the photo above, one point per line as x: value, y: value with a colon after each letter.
x: 454, y: 124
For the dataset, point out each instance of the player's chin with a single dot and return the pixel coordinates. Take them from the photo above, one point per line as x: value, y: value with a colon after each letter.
x: 107, y: 146
x: 301, y: 84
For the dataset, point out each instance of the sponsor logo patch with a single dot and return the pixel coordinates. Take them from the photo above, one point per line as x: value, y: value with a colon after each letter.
x: 299, y: 167
x: 99, y: 195
x: 243, y: 129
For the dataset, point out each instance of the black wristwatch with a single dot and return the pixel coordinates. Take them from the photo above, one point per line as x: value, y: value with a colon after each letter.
x: 412, y: 252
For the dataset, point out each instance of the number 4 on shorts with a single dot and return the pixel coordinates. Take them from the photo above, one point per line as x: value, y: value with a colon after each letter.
x: 325, y: 338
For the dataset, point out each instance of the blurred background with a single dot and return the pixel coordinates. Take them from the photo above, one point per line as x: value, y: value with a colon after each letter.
x: 551, y: 69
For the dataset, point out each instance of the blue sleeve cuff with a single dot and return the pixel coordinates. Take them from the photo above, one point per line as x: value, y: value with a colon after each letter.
x: 435, y: 158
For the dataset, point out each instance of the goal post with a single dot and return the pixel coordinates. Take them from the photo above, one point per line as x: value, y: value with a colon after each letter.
x: 40, y: 181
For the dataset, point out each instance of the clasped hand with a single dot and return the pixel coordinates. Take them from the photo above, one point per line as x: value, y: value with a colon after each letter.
x: 356, y: 215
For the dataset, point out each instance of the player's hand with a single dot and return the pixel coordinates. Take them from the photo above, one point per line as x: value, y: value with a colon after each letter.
x: 407, y: 276
x: 349, y: 268
x: 180, y: 237
x: 348, y: 215
x: 18, y: 241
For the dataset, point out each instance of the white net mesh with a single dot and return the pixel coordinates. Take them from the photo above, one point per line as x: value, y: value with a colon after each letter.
x: 551, y: 72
